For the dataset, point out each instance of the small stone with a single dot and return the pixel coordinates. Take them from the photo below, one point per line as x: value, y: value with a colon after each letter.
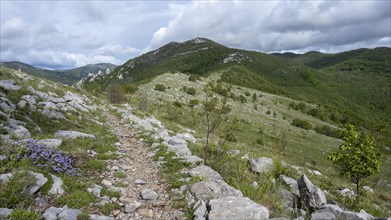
x: 5, y: 212
x: 69, y: 214
x: 148, y: 194
x: 40, y: 202
x: 100, y: 217
x: 106, y: 183
x: 56, y: 186
x: 254, y: 184
x: 51, y: 213
x: 147, y: 213
x: 139, y: 182
x: 234, y: 152
x: 178, y: 215
x: 132, y: 206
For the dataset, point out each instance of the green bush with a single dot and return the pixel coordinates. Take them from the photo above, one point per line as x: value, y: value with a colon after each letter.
x: 191, y: 91
x: 193, y: 78
x: 329, y: 131
x: 247, y: 93
x: 160, y: 87
x: 301, y: 123
x: 193, y: 103
x: 177, y: 104
x: 24, y: 214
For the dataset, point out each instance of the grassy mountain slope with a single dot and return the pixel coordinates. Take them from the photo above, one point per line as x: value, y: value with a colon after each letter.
x: 68, y: 77
x: 355, y: 83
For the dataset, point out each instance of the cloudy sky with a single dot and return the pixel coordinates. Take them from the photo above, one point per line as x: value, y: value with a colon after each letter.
x: 67, y: 34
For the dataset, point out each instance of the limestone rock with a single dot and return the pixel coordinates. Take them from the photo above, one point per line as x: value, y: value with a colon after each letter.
x: 200, y: 210
x: 292, y: 183
x: 73, y: 134
x: 69, y: 214
x: 362, y: 215
x: 100, y: 217
x: 132, y: 206
x: 187, y: 137
x: 56, y: 186
x: 261, y: 165
x: 4, y: 178
x: 214, y: 189
x: 312, y: 195
x: 148, y: 194
x: 4, y: 212
x: 51, y: 213
x: 40, y: 181
x: 234, y: 152
x: 205, y: 172
x: 9, y: 85
x: 50, y: 143
x: 193, y: 160
x: 236, y: 208
x: 322, y: 216
x: 335, y: 209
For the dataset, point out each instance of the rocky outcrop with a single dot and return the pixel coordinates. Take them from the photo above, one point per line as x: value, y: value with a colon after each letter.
x: 311, y: 195
x: 73, y: 134
x: 9, y: 85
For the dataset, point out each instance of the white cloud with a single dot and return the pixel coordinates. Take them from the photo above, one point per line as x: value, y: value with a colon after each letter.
x: 74, y: 33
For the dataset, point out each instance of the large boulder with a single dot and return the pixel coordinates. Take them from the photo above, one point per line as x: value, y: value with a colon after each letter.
x: 236, y: 208
x: 312, y: 195
x: 206, y: 190
x: 72, y: 134
x: 261, y: 165
x: 335, y: 209
x: 180, y: 150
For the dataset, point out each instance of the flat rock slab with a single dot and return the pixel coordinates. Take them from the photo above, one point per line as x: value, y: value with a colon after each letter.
x: 206, y: 190
x: 73, y: 134
x: 236, y: 208
x: 56, y: 189
x: 322, y: 216
x: 50, y: 143
x: 205, y: 172
x: 9, y: 85
x: 100, y: 217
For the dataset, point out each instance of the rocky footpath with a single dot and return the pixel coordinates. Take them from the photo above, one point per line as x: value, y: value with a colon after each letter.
x: 212, y: 197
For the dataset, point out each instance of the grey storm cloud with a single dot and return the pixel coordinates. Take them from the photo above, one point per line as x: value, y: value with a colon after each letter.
x: 65, y: 34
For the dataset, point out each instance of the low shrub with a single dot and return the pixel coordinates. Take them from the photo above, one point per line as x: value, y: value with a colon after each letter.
x: 160, y: 87
x: 301, y: 123
x: 14, y: 193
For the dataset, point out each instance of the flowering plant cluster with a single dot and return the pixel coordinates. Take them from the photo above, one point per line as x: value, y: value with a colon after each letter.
x: 41, y: 156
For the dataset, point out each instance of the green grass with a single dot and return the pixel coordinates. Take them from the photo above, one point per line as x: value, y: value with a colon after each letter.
x: 77, y: 199
x: 24, y: 214
x: 110, y: 193
x: 259, y: 134
x: 14, y: 193
x: 120, y: 174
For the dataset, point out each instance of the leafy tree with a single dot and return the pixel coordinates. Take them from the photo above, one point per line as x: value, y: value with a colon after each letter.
x: 357, y: 158
x: 213, y: 113
x: 160, y: 87
x: 114, y: 94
